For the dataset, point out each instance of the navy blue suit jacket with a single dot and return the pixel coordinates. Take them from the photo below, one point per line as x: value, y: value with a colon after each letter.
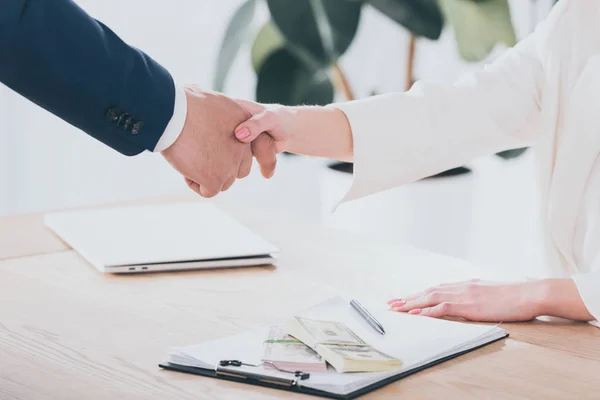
x: 60, y: 58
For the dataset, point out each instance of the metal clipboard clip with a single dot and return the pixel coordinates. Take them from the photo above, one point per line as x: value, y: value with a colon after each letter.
x: 222, y: 370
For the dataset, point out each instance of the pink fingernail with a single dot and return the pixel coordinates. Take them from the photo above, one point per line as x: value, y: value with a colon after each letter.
x: 242, y: 133
x: 415, y: 311
x: 393, y: 301
x: 398, y: 304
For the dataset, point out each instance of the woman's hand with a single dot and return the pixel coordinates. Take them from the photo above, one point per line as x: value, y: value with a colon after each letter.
x: 309, y: 130
x: 266, y: 132
x: 264, y: 147
x: 497, y: 302
x: 274, y: 119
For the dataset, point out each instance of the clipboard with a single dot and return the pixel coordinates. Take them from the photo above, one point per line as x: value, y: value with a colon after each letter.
x: 288, y: 385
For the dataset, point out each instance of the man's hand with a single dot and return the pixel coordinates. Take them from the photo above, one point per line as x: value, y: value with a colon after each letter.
x: 207, y: 153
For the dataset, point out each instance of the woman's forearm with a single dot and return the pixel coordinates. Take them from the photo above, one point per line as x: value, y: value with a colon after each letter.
x: 321, y: 132
x: 560, y: 298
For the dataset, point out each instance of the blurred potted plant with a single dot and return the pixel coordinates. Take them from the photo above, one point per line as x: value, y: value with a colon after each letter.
x: 295, y: 54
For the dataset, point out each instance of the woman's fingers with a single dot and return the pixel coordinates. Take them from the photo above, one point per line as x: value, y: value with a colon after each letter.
x: 444, y: 287
x: 428, y: 300
x: 405, y: 299
x: 263, y: 149
x: 247, y: 131
x: 270, y: 121
x: 422, y: 294
x: 445, y: 309
x: 413, y: 296
x: 461, y: 283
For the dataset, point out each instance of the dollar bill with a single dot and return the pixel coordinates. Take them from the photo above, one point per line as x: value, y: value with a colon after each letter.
x: 328, y: 332
x: 285, y: 351
x: 359, y: 353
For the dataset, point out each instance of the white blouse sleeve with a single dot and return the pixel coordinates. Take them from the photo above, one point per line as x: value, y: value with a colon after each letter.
x: 589, y: 290
x: 403, y: 137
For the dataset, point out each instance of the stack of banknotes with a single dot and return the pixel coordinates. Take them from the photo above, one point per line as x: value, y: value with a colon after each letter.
x: 339, y: 346
x: 288, y: 353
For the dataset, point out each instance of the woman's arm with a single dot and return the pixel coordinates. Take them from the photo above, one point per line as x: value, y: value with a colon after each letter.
x: 495, y: 302
x: 328, y: 127
x: 309, y: 130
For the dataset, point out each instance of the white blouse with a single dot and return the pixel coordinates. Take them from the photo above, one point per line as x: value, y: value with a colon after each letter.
x: 545, y: 92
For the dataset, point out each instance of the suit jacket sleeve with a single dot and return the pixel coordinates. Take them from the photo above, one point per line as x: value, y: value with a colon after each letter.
x: 403, y: 137
x: 60, y: 58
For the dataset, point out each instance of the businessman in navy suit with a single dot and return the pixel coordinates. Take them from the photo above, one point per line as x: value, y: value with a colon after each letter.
x: 63, y: 60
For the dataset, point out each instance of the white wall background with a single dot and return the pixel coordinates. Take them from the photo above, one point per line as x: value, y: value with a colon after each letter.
x: 46, y: 164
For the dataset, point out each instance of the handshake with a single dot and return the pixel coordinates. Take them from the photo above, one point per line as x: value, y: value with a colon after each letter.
x: 219, y: 140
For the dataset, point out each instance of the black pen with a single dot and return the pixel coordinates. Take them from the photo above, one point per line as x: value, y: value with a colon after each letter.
x: 367, y: 316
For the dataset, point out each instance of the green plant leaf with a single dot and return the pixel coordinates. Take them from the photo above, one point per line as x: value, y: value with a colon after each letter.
x: 421, y: 17
x: 285, y: 80
x: 235, y: 36
x: 348, y: 168
x: 450, y: 173
x: 479, y: 26
x: 322, y: 28
x: 510, y: 154
x: 268, y: 40
x: 344, y: 167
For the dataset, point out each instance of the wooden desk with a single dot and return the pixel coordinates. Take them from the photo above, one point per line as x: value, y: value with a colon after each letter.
x: 69, y: 332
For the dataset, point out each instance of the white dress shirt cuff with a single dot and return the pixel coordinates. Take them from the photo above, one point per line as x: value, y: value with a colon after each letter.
x: 588, y: 286
x: 175, y: 125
